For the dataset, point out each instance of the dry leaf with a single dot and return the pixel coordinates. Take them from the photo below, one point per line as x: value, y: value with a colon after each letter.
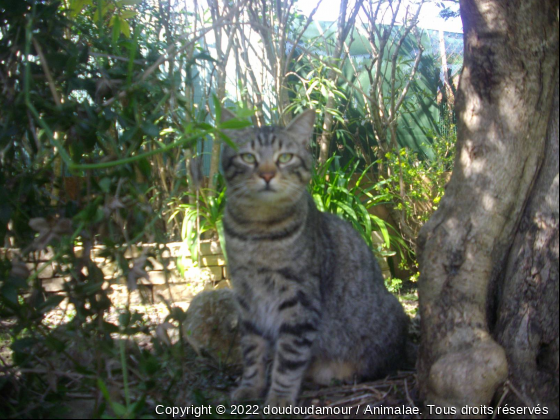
x: 49, y: 230
x: 161, y: 332
x: 136, y: 272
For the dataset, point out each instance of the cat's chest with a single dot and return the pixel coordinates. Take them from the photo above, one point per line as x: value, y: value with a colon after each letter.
x: 264, y: 291
x: 253, y: 253
x: 276, y: 252
x: 264, y: 309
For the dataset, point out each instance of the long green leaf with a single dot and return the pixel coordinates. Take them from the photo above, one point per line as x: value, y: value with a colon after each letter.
x: 347, y: 209
x: 383, y: 228
x: 222, y: 237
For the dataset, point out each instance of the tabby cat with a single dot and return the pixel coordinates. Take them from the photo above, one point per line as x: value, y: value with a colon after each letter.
x: 310, y: 293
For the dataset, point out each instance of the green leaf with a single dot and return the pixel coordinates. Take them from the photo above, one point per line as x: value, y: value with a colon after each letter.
x: 127, y: 14
x: 225, y: 138
x: 103, y: 388
x: 312, y: 86
x: 150, y: 129
x: 167, y: 130
x: 124, y: 319
x: 76, y: 7
x: 90, y: 213
x: 383, y: 228
x: 145, y: 167
x: 319, y: 201
x: 105, y: 184
x: 347, y: 209
x: 366, y: 219
x: 217, y: 108
x: 125, y: 28
x: 109, y: 328
x: 50, y: 303
x: 116, y: 24
x: 10, y: 294
x: 205, y: 126
x: 222, y: 237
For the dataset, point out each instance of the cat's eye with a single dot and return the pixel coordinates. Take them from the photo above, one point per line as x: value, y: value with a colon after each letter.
x: 248, y: 158
x: 285, y: 157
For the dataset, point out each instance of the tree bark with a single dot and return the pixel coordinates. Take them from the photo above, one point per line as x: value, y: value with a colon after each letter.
x: 504, y: 105
x: 527, y: 294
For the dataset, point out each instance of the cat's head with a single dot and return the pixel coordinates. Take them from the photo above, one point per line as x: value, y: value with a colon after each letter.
x: 272, y: 164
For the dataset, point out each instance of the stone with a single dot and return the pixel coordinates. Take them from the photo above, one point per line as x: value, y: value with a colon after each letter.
x: 211, y: 326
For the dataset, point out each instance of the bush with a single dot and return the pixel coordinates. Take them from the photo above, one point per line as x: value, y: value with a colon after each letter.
x: 338, y: 189
x: 424, y: 180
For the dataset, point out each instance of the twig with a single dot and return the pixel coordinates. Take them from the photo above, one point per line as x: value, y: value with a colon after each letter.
x: 371, y: 401
x: 322, y: 61
x: 348, y: 400
x: 519, y: 394
x: 298, y: 38
x: 172, y: 51
x: 410, y: 401
x: 72, y: 375
x: 50, y: 80
x: 504, y: 394
x: 117, y: 58
x: 345, y: 389
x: 79, y: 396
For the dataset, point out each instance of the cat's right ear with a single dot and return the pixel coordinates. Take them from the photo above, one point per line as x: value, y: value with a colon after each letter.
x: 227, y: 115
x: 302, y: 126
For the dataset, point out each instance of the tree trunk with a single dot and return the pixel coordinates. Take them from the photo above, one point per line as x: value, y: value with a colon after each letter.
x: 478, y: 325
x: 527, y: 294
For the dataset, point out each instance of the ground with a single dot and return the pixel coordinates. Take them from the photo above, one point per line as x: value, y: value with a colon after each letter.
x: 163, y: 373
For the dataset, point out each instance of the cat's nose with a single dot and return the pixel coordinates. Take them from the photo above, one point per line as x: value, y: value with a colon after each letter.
x: 267, y: 176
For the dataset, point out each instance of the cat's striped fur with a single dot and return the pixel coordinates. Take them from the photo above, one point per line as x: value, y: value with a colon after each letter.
x: 310, y: 293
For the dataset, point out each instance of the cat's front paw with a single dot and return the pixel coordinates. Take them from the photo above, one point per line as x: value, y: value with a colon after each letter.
x: 275, y: 400
x: 246, y: 393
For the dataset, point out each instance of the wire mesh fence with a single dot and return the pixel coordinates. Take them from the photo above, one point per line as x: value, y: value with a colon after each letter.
x: 452, y: 44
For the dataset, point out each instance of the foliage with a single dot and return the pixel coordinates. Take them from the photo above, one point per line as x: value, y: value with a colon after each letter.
x: 394, y: 284
x: 313, y: 90
x: 203, y: 213
x: 87, y: 102
x: 105, y: 103
x: 424, y: 180
x: 343, y: 190
x: 449, y: 9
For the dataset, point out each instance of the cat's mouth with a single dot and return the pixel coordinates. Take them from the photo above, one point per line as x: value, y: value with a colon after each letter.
x: 267, y: 189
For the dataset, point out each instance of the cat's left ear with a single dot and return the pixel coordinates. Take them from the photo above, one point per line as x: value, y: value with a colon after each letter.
x: 302, y: 126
